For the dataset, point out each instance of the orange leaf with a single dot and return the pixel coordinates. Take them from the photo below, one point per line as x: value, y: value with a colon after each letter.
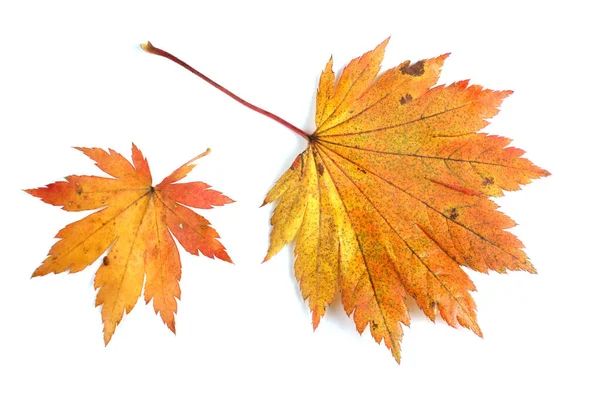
x: 134, y: 223
x: 390, y: 197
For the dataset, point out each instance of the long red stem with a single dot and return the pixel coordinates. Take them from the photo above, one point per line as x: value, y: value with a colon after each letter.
x: 149, y: 48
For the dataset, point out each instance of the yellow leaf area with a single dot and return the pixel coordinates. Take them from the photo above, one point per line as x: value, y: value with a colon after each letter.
x: 390, y: 198
x: 136, y: 222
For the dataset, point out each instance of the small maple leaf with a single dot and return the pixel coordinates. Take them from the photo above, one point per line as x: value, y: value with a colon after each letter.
x: 135, y: 222
x: 390, y: 198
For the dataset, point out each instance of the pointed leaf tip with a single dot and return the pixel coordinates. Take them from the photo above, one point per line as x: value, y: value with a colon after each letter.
x: 224, y: 256
x: 205, y: 153
x: 316, y: 319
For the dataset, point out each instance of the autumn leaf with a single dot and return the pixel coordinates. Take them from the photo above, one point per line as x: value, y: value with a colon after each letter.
x: 136, y: 224
x: 390, y: 198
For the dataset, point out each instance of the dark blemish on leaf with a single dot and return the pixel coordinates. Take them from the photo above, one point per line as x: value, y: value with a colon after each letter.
x: 105, y: 260
x: 320, y: 168
x: 374, y: 325
x: 416, y: 69
x: 488, y: 181
x: 405, y: 99
x: 433, y: 304
x: 453, y: 214
x: 79, y: 191
x: 362, y: 170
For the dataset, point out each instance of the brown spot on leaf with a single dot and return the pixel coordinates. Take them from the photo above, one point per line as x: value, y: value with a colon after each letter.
x: 320, y: 168
x: 374, y: 325
x: 488, y: 181
x: 405, y: 99
x: 453, y: 214
x: 416, y: 69
x: 362, y: 170
x: 105, y: 260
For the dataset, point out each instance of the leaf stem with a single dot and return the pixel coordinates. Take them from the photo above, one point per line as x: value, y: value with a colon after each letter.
x: 149, y: 48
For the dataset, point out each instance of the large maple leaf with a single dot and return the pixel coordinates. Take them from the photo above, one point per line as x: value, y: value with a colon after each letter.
x: 390, y: 198
x: 136, y: 223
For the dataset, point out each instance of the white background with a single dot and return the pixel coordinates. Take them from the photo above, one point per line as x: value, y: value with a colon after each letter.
x: 73, y: 75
